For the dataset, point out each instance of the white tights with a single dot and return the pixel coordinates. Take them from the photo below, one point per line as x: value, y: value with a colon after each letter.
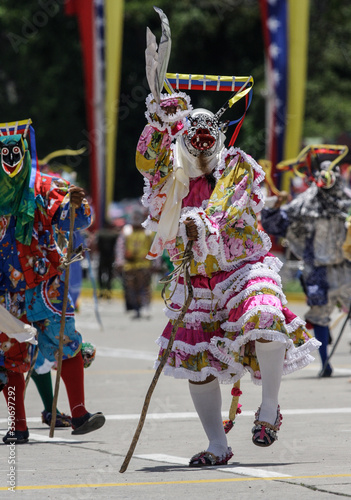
x: 207, y: 397
x: 207, y: 400
x: 270, y: 356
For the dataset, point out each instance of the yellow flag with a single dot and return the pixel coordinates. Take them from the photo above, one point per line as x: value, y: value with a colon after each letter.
x: 114, y: 10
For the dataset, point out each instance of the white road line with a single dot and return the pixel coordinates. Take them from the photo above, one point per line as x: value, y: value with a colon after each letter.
x: 248, y: 413
x: 159, y: 457
x: 252, y: 472
x: 46, y: 439
x: 242, y: 471
x: 191, y: 415
x: 108, y: 352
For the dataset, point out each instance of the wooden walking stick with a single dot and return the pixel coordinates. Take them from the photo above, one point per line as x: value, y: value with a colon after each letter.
x: 63, y: 321
x: 31, y: 369
x: 183, y: 266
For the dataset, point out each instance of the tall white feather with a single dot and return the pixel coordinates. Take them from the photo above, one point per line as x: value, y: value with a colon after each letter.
x: 157, y: 58
x: 151, y: 60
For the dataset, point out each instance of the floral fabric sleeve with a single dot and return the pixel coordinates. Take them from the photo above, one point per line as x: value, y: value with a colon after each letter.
x: 228, y: 225
x: 154, y: 154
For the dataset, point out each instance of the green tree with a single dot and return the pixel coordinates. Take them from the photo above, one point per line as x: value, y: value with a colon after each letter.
x: 41, y: 73
x: 328, y: 107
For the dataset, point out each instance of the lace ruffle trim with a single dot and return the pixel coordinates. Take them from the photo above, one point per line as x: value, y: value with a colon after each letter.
x: 167, y: 120
x: 210, y: 304
x: 244, y: 294
x: 162, y: 342
x: 249, y: 272
x: 196, y: 317
x: 230, y: 265
x: 207, y: 242
x: 224, y: 376
x: 245, y: 318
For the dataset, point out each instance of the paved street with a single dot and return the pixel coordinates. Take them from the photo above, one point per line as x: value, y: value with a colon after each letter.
x: 311, y: 460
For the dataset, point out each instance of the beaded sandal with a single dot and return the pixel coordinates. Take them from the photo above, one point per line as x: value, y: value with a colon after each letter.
x: 207, y: 459
x: 264, y: 433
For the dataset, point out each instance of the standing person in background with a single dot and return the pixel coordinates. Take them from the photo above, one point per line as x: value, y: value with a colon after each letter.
x: 132, y: 248
x: 106, y: 238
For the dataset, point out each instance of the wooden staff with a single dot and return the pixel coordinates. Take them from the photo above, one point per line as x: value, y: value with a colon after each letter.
x: 187, y: 258
x: 30, y: 371
x: 63, y: 321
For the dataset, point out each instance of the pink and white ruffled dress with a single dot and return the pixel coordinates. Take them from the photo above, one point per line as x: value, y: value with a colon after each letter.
x: 238, y: 295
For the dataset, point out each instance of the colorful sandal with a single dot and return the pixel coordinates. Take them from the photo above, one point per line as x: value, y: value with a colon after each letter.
x: 264, y: 433
x: 208, y: 459
x: 62, y: 420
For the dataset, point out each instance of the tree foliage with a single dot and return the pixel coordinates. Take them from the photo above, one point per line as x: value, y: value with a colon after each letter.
x: 328, y: 107
x: 41, y: 72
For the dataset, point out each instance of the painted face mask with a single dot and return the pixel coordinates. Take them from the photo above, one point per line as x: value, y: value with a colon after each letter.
x: 17, y: 197
x: 12, y: 156
x: 203, y: 133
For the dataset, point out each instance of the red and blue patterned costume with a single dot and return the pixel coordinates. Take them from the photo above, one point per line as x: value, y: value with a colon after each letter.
x: 31, y: 284
x: 33, y: 206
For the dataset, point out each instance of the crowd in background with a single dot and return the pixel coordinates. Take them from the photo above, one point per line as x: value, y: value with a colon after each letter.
x: 117, y: 261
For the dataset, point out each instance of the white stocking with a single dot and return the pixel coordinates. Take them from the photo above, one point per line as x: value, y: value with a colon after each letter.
x: 207, y: 400
x: 270, y: 356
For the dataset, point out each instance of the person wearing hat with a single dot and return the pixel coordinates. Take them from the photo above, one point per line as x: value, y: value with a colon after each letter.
x: 314, y: 225
x: 198, y: 190
x: 136, y: 271
x: 32, y: 206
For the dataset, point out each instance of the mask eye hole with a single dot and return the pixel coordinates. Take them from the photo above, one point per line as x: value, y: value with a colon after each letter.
x: 194, y: 123
x: 16, y: 150
x: 209, y: 123
x: 5, y: 151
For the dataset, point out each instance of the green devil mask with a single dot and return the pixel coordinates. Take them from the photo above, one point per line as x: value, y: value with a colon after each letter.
x: 16, y: 196
x: 12, y: 155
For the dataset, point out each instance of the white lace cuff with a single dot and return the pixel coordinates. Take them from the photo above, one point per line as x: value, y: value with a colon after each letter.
x: 208, y: 239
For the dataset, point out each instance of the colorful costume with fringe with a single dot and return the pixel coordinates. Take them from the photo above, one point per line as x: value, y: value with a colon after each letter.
x: 237, y: 289
x: 31, y: 283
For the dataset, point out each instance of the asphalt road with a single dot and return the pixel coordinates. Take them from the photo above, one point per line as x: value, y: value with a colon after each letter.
x: 311, y: 459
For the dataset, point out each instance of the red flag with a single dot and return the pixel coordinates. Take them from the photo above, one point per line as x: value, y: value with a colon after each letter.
x: 88, y: 15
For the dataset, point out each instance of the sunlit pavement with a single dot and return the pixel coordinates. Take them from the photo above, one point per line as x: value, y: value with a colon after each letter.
x: 311, y: 459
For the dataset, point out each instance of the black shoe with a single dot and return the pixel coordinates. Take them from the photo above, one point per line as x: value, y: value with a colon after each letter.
x: 327, y: 372
x: 16, y: 437
x: 88, y: 423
